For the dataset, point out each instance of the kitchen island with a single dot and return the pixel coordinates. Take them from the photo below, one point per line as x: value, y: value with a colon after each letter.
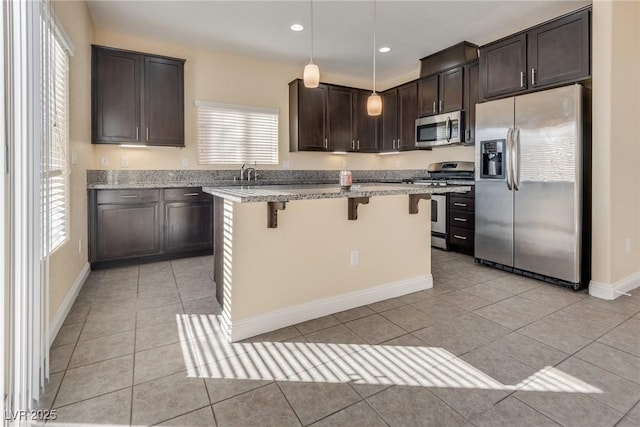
x: 287, y: 254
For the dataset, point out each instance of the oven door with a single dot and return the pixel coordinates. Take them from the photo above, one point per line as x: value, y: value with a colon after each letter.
x: 439, y: 221
x: 443, y: 129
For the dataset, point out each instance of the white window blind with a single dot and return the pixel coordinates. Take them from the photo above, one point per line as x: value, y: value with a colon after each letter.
x: 235, y: 134
x: 56, y: 188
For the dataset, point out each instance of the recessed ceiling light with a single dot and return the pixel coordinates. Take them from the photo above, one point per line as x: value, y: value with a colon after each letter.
x: 384, y: 49
x: 297, y: 27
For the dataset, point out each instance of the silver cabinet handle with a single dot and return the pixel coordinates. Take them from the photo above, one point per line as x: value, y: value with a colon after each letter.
x: 358, y: 145
x: 434, y: 106
x: 147, y: 134
x: 467, y: 135
x: 460, y: 219
x: 326, y: 143
x: 521, y: 78
x: 533, y: 76
x: 353, y: 144
x: 394, y: 144
x: 137, y: 133
x: 128, y: 196
x: 440, y: 105
x: 191, y: 194
x: 509, y: 162
x: 464, y: 205
x: 515, y: 159
x: 459, y: 237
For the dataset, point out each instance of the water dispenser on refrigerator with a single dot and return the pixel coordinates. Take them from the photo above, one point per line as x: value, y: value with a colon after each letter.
x: 492, y: 158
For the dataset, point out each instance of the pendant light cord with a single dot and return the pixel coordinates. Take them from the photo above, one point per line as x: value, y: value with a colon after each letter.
x: 311, y: 61
x: 374, y: 45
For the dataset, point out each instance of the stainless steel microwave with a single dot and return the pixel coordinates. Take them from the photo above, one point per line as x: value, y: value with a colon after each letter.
x: 443, y: 129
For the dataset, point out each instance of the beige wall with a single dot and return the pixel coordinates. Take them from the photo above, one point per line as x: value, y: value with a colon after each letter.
x: 616, y: 140
x: 67, y: 262
x: 222, y: 77
x: 307, y: 257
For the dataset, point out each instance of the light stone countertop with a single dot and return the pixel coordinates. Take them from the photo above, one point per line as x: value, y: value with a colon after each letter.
x: 285, y: 193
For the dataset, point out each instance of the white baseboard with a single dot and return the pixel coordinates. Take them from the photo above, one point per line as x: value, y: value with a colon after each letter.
x: 252, y: 326
x: 65, y: 307
x: 613, y: 291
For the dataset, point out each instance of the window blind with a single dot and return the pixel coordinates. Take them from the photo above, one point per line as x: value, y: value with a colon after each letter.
x: 56, y: 189
x: 236, y: 134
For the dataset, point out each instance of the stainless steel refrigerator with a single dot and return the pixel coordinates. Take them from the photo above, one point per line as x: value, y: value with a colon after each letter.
x: 529, y: 185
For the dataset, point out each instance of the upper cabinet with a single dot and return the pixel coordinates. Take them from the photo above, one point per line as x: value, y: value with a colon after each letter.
x: 471, y: 98
x: 136, y: 98
x: 308, y: 117
x: 399, y: 113
x: 553, y: 53
x: 440, y: 93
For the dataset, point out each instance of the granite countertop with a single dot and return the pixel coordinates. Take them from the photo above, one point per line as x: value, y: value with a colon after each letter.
x: 285, y: 193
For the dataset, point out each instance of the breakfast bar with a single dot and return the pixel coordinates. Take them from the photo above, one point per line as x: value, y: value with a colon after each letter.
x: 290, y: 253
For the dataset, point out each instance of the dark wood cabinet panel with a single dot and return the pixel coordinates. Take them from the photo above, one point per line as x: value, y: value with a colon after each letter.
x: 127, y: 230
x: 461, y: 222
x: 428, y: 96
x: 559, y: 51
x: 163, y: 101
x: 341, y: 121
x: 503, y: 67
x: 136, y: 98
x: 407, y: 114
x: 308, y: 117
x: 389, y: 122
x: 188, y: 226
x: 116, y: 96
x: 471, y: 98
x: 450, y: 90
x: 366, y: 128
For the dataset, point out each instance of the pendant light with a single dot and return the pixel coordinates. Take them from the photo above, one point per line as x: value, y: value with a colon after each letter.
x: 374, y: 102
x: 311, y: 74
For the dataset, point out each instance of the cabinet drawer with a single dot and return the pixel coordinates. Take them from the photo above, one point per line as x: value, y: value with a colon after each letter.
x: 461, y: 240
x: 127, y: 196
x: 185, y: 194
x: 462, y: 219
x: 469, y: 194
x: 462, y: 203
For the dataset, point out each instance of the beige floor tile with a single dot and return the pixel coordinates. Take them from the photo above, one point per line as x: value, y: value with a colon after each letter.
x: 528, y: 351
x: 446, y: 336
x: 375, y: 329
x: 354, y: 313
x: 68, y: 334
x: 220, y: 389
x: 613, y: 360
x: 265, y: 407
x: 437, y: 311
x: 317, y: 324
x: 157, y: 336
x: 413, y: 406
x: 95, y: 379
x: 465, y: 300
x: 514, y: 312
x: 159, y: 362
x: 552, y: 296
x: 469, y: 402
x: 103, y: 326
x: 153, y: 316
x: 358, y: 415
x: 279, y: 335
x: 625, y: 337
x: 112, y: 408
x: 555, y: 336
x: 386, y: 304
x: 103, y: 348
x: 166, y: 398
x: 313, y: 401
x: 200, y: 418
x: 589, y: 327
x: 50, y: 390
x: 59, y: 357
x: 511, y: 412
x: 407, y: 317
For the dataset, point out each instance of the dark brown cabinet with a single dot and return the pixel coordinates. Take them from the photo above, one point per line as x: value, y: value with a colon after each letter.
x: 428, y: 96
x: 461, y: 222
x: 366, y: 127
x: 549, y: 54
x: 139, y: 225
x: 407, y: 115
x: 471, y: 98
x: 341, y: 119
x: 308, y: 117
x: 441, y: 93
x: 136, y: 98
x: 389, y: 121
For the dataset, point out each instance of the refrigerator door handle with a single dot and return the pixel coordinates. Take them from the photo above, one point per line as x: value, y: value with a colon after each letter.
x: 508, y: 152
x: 515, y: 158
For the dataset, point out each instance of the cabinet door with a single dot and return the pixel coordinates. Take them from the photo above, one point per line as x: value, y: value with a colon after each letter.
x: 407, y: 114
x: 188, y: 226
x: 127, y: 230
x: 366, y: 126
x: 115, y: 84
x: 163, y: 102
x: 559, y: 51
x: 340, y: 123
x: 389, y: 131
x: 450, y: 93
x: 312, y: 118
x: 428, y: 96
x: 471, y: 98
x: 503, y: 67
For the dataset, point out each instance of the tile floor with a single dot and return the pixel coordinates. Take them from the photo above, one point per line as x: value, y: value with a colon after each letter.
x: 141, y: 346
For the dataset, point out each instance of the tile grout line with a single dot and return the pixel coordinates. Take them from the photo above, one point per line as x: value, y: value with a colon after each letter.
x: 133, y: 361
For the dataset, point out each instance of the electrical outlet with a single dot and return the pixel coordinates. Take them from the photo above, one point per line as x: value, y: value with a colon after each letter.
x: 124, y: 161
x: 80, y: 246
x: 104, y: 161
x: 185, y: 163
x: 355, y: 258
x: 628, y: 245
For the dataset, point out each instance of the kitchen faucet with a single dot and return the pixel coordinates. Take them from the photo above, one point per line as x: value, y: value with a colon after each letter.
x: 255, y: 174
x: 242, y: 172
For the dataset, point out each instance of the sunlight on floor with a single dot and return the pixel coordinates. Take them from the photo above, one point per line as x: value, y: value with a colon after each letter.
x: 208, y: 355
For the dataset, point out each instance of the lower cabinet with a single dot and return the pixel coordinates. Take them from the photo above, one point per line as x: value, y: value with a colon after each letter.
x: 127, y: 226
x: 461, y: 222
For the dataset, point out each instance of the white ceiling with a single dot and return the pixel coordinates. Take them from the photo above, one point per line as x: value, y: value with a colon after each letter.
x: 343, y: 30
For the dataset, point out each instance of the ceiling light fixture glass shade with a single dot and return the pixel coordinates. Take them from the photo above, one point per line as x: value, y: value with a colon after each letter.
x: 311, y: 74
x: 374, y: 102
